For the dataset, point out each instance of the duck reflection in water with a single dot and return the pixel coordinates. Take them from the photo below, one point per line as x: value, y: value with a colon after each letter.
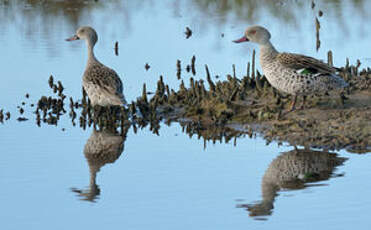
x: 101, y: 148
x: 293, y: 170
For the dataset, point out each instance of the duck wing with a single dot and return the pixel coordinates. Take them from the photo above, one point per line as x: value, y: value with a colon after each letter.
x: 106, y: 79
x: 305, y: 64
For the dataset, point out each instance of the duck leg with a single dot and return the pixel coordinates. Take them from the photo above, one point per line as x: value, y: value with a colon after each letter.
x: 342, y: 99
x: 292, y: 107
x: 303, y: 103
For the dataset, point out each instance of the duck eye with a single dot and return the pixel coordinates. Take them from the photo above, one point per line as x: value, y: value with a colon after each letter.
x: 82, y: 31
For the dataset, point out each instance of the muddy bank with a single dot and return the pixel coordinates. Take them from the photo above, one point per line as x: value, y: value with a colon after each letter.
x: 225, y: 110
x: 250, y: 105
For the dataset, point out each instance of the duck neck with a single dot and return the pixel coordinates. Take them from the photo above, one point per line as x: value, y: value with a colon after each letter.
x: 267, y: 52
x: 91, y: 56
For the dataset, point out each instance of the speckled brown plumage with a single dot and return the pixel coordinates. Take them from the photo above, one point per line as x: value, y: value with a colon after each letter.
x: 298, y: 61
x: 103, y: 85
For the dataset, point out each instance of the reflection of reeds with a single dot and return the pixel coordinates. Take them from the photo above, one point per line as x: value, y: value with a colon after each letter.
x: 48, y: 15
x: 72, y: 10
x: 214, y: 134
x: 286, y: 11
x: 30, y: 17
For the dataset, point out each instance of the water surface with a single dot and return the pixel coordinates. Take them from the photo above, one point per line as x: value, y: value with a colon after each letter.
x: 52, y: 179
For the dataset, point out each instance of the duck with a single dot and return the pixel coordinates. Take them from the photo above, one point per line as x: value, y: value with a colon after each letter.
x: 294, y: 170
x: 294, y: 74
x: 103, y: 147
x: 101, y: 83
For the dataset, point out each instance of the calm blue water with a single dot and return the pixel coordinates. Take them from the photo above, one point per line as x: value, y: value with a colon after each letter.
x: 168, y: 181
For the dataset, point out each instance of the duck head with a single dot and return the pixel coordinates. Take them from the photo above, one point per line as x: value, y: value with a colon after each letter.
x: 256, y: 34
x: 85, y: 33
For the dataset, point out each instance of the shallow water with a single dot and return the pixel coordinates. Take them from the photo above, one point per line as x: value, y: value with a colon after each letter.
x: 169, y: 180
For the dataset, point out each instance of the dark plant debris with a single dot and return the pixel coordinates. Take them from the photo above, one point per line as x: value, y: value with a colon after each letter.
x: 117, y: 48
x: 188, y: 32
x: 147, y: 66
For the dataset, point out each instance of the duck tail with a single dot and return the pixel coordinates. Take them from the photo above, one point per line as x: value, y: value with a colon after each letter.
x: 339, y: 82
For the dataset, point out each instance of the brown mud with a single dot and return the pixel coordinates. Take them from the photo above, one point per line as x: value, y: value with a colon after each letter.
x: 251, y: 105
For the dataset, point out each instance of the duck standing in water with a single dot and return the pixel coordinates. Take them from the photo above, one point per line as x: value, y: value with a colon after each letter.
x: 102, y: 84
x: 294, y: 74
